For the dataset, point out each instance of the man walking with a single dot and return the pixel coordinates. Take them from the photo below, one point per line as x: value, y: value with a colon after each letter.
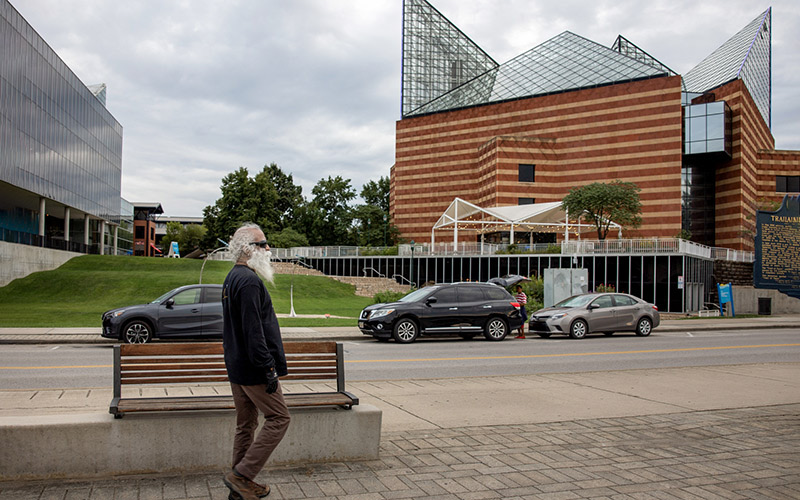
x: 254, y: 359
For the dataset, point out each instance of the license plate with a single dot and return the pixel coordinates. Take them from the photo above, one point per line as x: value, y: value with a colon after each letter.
x: 361, y: 324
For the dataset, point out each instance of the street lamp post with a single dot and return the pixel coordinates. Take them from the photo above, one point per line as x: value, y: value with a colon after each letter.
x: 384, y: 229
x: 292, y: 314
x: 412, y: 265
x: 200, y: 281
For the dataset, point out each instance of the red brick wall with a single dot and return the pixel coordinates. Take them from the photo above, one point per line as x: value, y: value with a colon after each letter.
x: 737, y: 185
x: 629, y: 131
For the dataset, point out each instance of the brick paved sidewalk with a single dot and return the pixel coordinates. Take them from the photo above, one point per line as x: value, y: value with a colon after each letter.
x: 750, y: 453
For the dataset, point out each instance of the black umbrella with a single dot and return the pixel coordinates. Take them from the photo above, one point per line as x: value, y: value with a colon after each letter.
x: 508, y: 280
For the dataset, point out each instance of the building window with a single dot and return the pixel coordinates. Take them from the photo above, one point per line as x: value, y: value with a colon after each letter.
x: 139, y: 232
x: 787, y: 183
x: 526, y: 201
x: 527, y: 173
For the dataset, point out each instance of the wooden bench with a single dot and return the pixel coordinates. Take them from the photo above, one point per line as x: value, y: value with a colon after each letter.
x: 193, y: 364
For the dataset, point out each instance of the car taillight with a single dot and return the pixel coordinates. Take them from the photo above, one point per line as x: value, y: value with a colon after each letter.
x: 515, y: 304
x: 655, y: 307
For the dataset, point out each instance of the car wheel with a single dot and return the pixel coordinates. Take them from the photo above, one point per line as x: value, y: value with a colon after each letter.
x: 137, y: 332
x: 496, y: 329
x: 644, y: 327
x: 405, y: 331
x: 544, y: 335
x: 579, y: 329
x: 608, y: 334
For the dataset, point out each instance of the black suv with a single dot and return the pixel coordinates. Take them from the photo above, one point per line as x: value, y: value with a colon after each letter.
x: 465, y: 309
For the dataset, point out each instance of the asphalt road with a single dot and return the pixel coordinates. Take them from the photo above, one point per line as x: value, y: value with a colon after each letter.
x: 89, y: 366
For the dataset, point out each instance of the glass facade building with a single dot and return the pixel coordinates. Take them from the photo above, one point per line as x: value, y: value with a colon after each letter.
x: 58, y: 142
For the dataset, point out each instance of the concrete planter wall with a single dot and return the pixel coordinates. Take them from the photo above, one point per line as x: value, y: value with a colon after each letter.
x: 95, y: 444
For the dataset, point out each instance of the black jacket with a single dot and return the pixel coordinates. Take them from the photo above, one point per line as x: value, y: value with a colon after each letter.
x: 251, y: 337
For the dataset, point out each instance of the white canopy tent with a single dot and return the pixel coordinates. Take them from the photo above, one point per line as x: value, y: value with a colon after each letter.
x: 538, y: 217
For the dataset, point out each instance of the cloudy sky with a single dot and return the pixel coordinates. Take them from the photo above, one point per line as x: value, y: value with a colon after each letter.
x: 204, y: 87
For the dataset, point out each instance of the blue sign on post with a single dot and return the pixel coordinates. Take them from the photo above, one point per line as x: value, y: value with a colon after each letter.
x: 725, y: 293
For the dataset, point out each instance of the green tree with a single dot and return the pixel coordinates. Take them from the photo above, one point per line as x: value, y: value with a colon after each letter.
x: 327, y: 217
x: 288, y: 238
x: 289, y: 196
x: 602, y: 204
x: 189, y: 237
x: 371, y: 225
x: 269, y: 199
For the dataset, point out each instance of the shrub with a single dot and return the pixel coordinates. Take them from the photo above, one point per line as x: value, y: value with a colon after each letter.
x: 384, y: 297
x: 378, y: 250
x: 602, y: 287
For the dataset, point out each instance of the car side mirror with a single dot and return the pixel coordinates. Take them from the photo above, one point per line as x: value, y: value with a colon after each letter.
x: 592, y: 306
x: 169, y: 303
x: 431, y: 300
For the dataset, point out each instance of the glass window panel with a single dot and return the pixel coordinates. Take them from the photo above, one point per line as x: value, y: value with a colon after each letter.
x: 714, y: 108
x: 697, y: 128
x: 697, y: 147
x: 716, y: 145
x: 715, y: 127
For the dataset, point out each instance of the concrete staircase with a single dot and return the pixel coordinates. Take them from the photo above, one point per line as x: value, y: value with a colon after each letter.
x: 365, y: 286
x: 368, y: 287
x: 291, y: 267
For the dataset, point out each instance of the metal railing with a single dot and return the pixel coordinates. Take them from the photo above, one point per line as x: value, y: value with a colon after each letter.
x: 462, y: 248
x: 373, y: 271
x: 579, y: 247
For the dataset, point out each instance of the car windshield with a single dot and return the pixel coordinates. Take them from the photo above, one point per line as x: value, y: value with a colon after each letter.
x: 576, y: 301
x: 162, y: 298
x: 419, y: 294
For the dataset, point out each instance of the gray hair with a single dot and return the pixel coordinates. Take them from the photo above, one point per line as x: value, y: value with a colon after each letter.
x: 239, y: 246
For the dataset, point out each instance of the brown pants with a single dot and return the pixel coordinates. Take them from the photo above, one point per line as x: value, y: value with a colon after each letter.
x: 250, y: 452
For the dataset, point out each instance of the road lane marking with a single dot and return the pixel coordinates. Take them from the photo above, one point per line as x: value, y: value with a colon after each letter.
x: 525, y: 356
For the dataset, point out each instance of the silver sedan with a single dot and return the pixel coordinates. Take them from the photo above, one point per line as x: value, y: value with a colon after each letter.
x: 606, y: 313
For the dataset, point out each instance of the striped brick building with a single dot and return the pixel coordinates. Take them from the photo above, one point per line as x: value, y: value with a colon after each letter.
x: 570, y: 112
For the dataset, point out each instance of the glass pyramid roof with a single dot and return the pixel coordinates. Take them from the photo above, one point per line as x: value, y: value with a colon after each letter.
x: 746, y: 56
x: 565, y: 62
x: 437, y: 56
x: 630, y: 49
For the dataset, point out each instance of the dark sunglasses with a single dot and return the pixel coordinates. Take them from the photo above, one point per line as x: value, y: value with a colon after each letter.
x: 262, y: 243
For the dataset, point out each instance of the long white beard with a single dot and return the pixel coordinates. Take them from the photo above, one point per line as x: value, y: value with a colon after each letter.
x: 261, y: 264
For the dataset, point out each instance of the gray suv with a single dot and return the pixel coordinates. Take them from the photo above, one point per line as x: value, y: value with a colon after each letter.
x: 464, y: 309
x: 192, y: 311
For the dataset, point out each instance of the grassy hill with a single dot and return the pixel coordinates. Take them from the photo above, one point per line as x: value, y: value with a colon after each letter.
x: 78, y: 292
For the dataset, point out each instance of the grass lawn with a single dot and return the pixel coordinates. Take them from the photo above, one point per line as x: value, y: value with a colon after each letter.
x: 78, y: 292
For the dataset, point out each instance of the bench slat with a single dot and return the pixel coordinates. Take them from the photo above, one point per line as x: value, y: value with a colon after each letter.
x: 224, y: 402
x: 189, y: 364
x: 143, y: 360
x: 175, y: 374
x: 142, y: 376
x: 189, y: 348
x: 171, y: 380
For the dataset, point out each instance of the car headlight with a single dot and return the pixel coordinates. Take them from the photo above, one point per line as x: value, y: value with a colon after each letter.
x: 379, y: 313
x: 558, y: 316
x: 117, y: 313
